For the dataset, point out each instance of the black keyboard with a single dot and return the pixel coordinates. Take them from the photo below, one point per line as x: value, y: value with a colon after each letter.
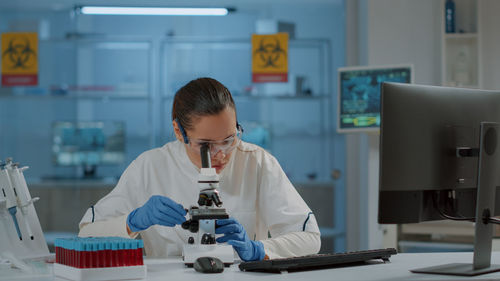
x: 318, y: 261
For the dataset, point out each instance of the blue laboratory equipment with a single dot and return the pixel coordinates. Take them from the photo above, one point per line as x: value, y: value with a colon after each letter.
x: 449, y: 16
x: 258, y: 134
x: 88, y: 144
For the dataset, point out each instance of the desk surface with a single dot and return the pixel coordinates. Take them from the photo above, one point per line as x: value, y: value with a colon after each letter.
x: 397, y: 269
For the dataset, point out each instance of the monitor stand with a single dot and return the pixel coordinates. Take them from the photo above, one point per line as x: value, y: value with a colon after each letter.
x: 489, y: 165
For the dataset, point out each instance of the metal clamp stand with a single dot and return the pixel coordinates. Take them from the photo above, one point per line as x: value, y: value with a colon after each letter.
x: 488, y: 180
x: 21, y: 235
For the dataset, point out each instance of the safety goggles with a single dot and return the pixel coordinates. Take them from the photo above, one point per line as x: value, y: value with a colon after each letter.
x: 225, y: 146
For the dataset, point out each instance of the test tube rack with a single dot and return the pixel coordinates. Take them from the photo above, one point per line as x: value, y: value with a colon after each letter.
x: 99, y: 258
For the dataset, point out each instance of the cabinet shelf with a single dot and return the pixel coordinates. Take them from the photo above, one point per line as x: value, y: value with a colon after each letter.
x: 314, y: 183
x: 455, y: 36
x: 467, y: 86
x: 276, y: 97
x: 301, y: 135
x: 330, y: 232
x: 76, y: 96
x: 283, y: 97
x: 460, y: 52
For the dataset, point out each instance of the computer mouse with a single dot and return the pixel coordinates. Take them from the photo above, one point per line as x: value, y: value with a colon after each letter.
x: 208, y: 265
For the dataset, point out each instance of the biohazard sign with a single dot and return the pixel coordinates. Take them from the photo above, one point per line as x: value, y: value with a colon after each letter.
x: 19, y: 59
x: 270, y: 58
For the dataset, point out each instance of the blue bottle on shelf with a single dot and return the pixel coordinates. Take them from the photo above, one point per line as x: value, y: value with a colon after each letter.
x: 449, y: 10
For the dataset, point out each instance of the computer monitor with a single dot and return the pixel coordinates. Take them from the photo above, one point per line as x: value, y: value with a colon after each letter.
x: 88, y: 144
x: 439, y: 160
x: 359, y: 95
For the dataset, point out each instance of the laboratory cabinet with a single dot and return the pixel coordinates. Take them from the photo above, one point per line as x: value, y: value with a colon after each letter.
x: 460, y: 44
x: 97, y: 82
x: 84, y: 83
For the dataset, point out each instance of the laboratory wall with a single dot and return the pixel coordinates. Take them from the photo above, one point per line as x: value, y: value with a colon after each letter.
x: 406, y: 32
x: 398, y: 32
x: 490, y: 41
x: 82, y: 53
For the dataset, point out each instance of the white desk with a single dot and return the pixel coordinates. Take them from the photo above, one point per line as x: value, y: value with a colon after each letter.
x: 397, y: 269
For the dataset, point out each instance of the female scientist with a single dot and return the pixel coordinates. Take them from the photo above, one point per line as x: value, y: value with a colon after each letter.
x: 269, y: 219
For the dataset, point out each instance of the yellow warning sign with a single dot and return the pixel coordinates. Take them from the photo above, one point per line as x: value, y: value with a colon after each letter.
x: 270, y: 58
x: 19, y: 59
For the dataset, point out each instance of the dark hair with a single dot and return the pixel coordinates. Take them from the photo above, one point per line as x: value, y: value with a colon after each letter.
x: 200, y: 97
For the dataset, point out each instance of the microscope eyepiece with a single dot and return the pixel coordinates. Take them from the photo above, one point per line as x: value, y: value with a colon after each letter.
x: 205, y: 155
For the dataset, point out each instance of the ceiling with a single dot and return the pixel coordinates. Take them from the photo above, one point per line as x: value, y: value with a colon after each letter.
x: 59, y: 5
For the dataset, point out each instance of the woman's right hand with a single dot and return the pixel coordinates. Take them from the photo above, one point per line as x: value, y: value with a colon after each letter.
x: 157, y: 210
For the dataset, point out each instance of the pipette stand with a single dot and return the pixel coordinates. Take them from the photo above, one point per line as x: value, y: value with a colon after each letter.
x: 29, y: 242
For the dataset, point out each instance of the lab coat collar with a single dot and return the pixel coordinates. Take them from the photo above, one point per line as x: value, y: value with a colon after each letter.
x: 179, y: 152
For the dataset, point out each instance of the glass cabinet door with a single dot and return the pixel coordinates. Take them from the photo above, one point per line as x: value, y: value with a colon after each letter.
x: 80, y: 80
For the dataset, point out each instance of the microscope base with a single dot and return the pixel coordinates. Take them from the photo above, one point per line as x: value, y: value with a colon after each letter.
x: 191, y: 252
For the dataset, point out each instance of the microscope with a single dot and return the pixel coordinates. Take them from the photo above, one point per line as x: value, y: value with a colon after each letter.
x: 202, y: 217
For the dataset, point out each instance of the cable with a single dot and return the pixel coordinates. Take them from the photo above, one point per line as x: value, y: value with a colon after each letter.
x: 455, y: 218
x: 435, y: 200
x: 494, y: 220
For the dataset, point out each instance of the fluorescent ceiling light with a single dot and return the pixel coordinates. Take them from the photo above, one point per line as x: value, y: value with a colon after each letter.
x: 153, y: 11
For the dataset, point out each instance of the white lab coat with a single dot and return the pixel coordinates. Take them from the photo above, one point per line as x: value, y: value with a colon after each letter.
x: 253, y: 188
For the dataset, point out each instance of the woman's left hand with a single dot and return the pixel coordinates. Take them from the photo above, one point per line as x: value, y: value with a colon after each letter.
x: 235, y: 235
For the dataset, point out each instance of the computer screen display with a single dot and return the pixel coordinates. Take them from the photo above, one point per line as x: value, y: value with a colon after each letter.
x: 422, y: 174
x: 359, y: 95
x: 440, y: 159
x: 88, y: 143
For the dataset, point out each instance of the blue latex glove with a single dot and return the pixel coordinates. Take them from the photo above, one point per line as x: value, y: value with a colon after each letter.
x: 235, y: 235
x: 157, y: 210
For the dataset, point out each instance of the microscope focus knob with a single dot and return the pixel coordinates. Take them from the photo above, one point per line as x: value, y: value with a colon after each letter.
x: 208, y: 238
x: 191, y: 225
